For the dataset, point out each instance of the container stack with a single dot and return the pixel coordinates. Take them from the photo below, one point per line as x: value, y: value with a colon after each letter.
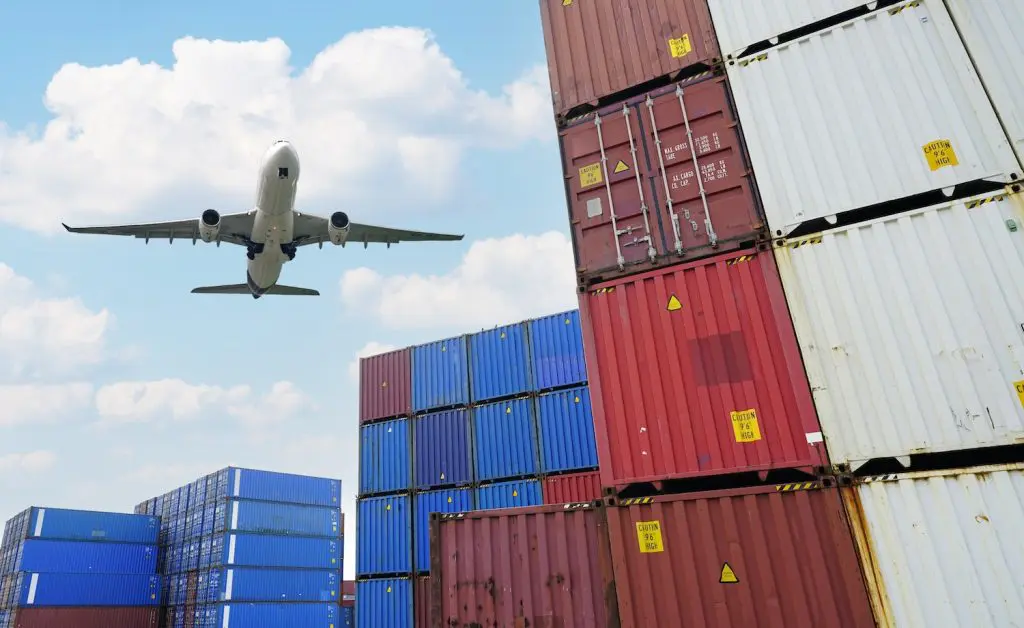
x: 87, y: 569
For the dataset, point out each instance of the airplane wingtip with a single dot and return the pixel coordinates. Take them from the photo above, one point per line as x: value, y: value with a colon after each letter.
x: 65, y: 225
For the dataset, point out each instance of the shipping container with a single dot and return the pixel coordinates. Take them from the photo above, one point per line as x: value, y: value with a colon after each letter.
x: 943, y: 547
x: 565, y: 421
x: 259, y: 550
x: 739, y: 25
x: 243, y: 515
x: 504, y: 440
x: 572, y: 488
x: 269, y: 585
x: 548, y: 566
x: 83, y: 617
x: 633, y: 195
x: 80, y: 525
x: 875, y: 131
x: 695, y: 370
x: 517, y: 494
x: 383, y: 535
x: 385, y: 385
x: 440, y: 375
x: 499, y: 364
x: 766, y: 556
x: 384, y: 457
x: 85, y: 589
x: 598, y: 53
x: 265, y: 615
x: 556, y: 351
x: 274, y: 487
x: 451, y: 500
x: 442, y: 449
x: 384, y: 603
x: 911, y: 351
x: 348, y: 617
x: 422, y: 603
x: 46, y: 556
x: 348, y: 592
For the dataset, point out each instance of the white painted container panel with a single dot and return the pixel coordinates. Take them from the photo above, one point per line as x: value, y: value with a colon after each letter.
x: 943, y: 549
x: 992, y: 30
x: 911, y: 329
x: 741, y: 23
x: 859, y: 114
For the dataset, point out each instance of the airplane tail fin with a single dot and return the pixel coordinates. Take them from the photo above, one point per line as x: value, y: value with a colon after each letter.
x: 241, y: 288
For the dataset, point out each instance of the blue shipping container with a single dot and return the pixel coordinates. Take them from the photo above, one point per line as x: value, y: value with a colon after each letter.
x: 48, y: 556
x: 556, y: 351
x: 243, y: 515
x: 384, y: 458
x: 86, y: 589
x: 249, y: 584
x: 384, y: 603
x: 518, y: 494
x: 504, y: 440
x: 498, y: 361
x: 383, y: 535
x: 265, y: 615
x: 442, y: 449
x: 348, y: 617
x: 258, y: 550
x: 84, y: 525
x: 450, y: 500
x: 276, y: 487
x: 566, y: 425
x: 440, y: 377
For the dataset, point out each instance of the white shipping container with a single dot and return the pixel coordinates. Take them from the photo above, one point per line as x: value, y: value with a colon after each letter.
x: 876, y: 109
x: 741, y: 23
x: 944, y: 548
x: 911, y: 329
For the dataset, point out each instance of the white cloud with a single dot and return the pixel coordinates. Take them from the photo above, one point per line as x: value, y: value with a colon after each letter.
x: 283, y: 401
x: 29, y: 462
x: 382, y: 115
x: 499, y: 281
x: 371, y: 348
x: 30, y: 404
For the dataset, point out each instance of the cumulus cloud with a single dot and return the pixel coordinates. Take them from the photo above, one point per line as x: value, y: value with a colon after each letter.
x: 28, y: 462
x: 31, y: 404
x: 371, y: 348
x: 500, y: 280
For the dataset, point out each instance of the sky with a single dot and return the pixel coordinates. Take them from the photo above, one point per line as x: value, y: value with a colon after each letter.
x: 116, y: 383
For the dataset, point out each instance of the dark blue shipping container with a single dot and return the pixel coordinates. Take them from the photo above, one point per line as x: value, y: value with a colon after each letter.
x: 265, y: 615
x: 82, y: 525
x: 499, y: 365
x: 86, y: 589
x: 556, y: 351
x: 48, y: 556
x: 504, y: 440
x: 247, y: 584
x: 442, y: 449
x: 384, y: 457
x: 449, y: 500
x: 258, y: 550
x: 383, y: 535
x: 566, y: 423
x: 440, y: 376
x: 276, y: 487
x: 516, y: 494
x: 348, y: 617
x: 243, y: 515
x: 384, y: 603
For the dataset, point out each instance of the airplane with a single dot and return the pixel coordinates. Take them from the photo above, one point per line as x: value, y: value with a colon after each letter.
x: 271, y: 232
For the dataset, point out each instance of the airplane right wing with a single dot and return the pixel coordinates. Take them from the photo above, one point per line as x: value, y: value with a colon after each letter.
x: 311, y: 229
x: 234, y: 229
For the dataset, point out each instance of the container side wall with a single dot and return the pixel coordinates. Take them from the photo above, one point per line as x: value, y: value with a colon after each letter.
x: 259, y: 615
x: 385, y: 385
x: 83, y: 617
x: 241, y: 515
x: 261, y: 584
x: 556, y: 351
x: 421, y: 603
x: 348, y: 617
x: 440, y: 376
x: 566, y: 423
x: 499, y: 365
x: 87, y: 589
x: 87, y: 557
x: 85, y: 525
x: 442, y: 449
x: 385, y: 602
x: 452, y: 500
x: 516, y: 494
x: 259, y: 550
x: 384, y: 535
x: 504, y: 439
x: 277, y: 487
x: 740, y: 24
x: 384, y: 457
x: 575, y: 487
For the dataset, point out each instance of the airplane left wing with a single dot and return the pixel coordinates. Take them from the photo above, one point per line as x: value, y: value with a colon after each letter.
x: 311, y: 229
x: 234, y: 229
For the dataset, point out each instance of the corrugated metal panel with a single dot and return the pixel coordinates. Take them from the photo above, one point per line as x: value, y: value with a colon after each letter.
x: 242, y: 515
x: 595, y: 51
x: 384, y: 535
x: 85, y: 525
x: 386, y: 602
x: 279, y: 487
x: 547, y: 566
x: 753, y: 557
x: 385, y: 385
x: 442, y: 449
x: 571, y: 488
x: 452, y: 500
x: 112, y: 617
x: 348, y: 617
x: 270, y: 585
x: 876, y: 127
x: 944, y: 548
x: 499, y: 366
x: 740, y: 24
x: 264, y: 615
x: 86, y: 589
x: 440, y: 376
x: 566, y: 424
x: 695, y: 370
x: 518, y: 494
x: 504, y: 440
x: 556, y: 351
x: 909, y: 328
x: 257, y: 550
x: 87, y: 557
x: 348, y: 592
x: 421, y: 603
x: 384, y: 457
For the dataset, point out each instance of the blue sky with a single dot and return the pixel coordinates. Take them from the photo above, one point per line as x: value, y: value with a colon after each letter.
x: 116, y: 383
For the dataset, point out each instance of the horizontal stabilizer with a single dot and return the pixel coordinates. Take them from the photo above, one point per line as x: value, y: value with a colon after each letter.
x: 241, y: 288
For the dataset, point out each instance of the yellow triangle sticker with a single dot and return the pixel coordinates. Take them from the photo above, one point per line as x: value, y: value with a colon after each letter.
x: 449, y: 499
x: 388, y: 507
x: 674, y: 304
x: 620, y: 167
x: 566, y: 3
x: 728, y: 575
x: 442, y: 477
x: 389, y: 589
x: 515, y: 493
x: 577, y: 399
x: 508, y: 410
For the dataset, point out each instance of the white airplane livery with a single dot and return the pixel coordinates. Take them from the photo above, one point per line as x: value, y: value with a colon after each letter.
x: 271, y: 232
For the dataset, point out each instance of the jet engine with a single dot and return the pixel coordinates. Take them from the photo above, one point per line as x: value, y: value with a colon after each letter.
x: 209, y: 225
x: 337, y: 227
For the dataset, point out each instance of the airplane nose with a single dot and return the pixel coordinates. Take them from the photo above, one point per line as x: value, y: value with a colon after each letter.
x: 282, y: 155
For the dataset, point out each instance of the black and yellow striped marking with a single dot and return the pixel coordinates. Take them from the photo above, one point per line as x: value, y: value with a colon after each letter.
x: 797, y: 486
x: 603, y: 291
x: 991, y: 199
x: 739, y: 260
x: 888, y: 477
x: 633, y: 501
x: 795, y: 244
x: 909, y: 5
x: 761, y: 57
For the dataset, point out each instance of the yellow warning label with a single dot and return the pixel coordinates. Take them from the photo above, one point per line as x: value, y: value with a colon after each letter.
x: 566, y: 3
x: 389, y: 588
x: 502, y: 335
x: 940, y: 154
x: 621, y: 167
x: 442, y: 477
x: 590, y: 175
x: 576, y: 399
x: 673, y: 304
x: 387, y: 507
x: 728, y: 575
x: 449, y: 499
x: 508, y: 410
x: 680, y: 46
x: 1019, y: 386
x: 745, y: 427
x: 515, y: 493
x: 648, y: 535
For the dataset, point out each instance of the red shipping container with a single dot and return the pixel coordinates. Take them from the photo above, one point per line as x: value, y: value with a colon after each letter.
x: 572, y: 488
x: 633, y: 193
x: 770, y: 557
x: 87, y: 617
x: 695, y: 370
x: 598, y: 52
x: 348, y: 593
x: 421, y: 603
x: 385, y: 385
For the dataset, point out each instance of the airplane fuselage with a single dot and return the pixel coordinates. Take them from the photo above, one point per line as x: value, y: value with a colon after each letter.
x: 274, y: 222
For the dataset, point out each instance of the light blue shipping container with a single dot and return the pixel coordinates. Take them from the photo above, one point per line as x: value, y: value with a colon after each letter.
x: 518, y: 494
x: 449, y: 500
x: 348, y: 617
x: 499, y: 364
x: 504, y: 440
x: 440, y: 376
x: 243, y: 515
x: 441, y: 448
x: 566, y: 424
x: 383, y: 535
x: 556, y: 351
x: 259, y: 550
x: 46, y: 556
x: 384, y: 457
x: 86, y: 589
x: 81, y: 525
x: 275, y: 487
x: 265, y: 615
x: 249, y: 584
x: 384, y: 603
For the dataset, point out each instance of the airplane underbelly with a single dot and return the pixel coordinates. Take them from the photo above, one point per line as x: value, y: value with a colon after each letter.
x: 264, y: 272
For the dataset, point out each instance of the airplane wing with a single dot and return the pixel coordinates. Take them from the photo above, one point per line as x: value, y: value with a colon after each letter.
x: 234, y: 229
x: 311, y: 229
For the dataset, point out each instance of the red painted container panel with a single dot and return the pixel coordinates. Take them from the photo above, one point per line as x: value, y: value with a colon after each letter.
x: 348, y: 593
x: 421, y: 603
x: 751, y: 557
x: 573, y: 487
x: 695, y: 370
x: 385, y: 385
x: 91, y: 617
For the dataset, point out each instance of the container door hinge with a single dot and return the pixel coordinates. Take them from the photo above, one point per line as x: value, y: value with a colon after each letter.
x: 652, y: 253
x: 673, y: 216
x: 712, y: 236
x: 608, y: 191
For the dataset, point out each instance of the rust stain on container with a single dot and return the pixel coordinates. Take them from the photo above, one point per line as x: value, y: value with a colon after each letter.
x: 880, y: 604
x: 385, y: 385
x: 574, y: 487
x: 87, y: 617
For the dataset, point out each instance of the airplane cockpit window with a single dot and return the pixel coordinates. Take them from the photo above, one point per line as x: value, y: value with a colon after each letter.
x: 282, y: 173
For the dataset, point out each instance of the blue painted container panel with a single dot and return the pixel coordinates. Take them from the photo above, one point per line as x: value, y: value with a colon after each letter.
x: 276, y: 487
x: 48, y: 556
x: 449, y: 500
x: 256, y: 550
x: 348, y: 617
x: 242, y: 515
x: 504, y: 440
x: 265, y: 615
x: 442, y: 449
x: 383, y: 535
x: 85, y: 525
x: 498, y: 363
x: 440, y: 377
x: 566, y: 424
x: 509, y: 495
x: 556, y: 351
x: 384, y: 603
x: 270, y: 585
x: 86, y: 589
x: 384, y: 457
